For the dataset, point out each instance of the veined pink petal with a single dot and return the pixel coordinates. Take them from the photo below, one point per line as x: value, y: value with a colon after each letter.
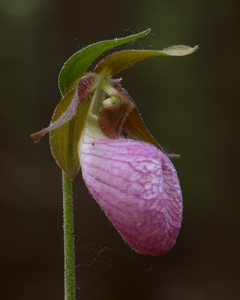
x: 137, y: 187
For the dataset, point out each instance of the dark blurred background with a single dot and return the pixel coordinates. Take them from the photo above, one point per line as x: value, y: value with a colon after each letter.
x: 190, y: 105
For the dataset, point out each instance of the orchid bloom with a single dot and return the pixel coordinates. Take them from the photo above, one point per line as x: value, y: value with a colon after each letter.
x: 133, y: 180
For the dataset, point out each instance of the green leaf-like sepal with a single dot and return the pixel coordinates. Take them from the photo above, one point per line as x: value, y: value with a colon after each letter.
x: 121, y: 60
x: 79, y: 62
x: 64, y: 139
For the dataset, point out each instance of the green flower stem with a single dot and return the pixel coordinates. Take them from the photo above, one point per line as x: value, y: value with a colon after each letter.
x: 68, y: 236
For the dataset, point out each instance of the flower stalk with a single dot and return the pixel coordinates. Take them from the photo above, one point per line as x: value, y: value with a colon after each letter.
x: 68, y: 237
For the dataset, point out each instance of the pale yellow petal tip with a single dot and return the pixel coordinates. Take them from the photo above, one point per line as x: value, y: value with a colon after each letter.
x: 179, y: 50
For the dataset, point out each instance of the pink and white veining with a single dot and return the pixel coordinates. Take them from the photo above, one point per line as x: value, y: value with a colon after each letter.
x: 137, y: 187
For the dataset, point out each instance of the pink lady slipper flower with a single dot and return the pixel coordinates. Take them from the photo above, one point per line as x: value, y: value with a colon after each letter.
x: 133, y: 180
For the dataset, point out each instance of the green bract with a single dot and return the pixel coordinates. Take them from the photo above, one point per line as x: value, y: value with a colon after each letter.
x: 79, y: 62
x: 78, y: 87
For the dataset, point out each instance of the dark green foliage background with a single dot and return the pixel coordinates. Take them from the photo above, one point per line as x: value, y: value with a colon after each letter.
x: 190, y: 105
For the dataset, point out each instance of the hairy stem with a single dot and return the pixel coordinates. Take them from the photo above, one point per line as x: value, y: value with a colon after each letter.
x: 68, y: 236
